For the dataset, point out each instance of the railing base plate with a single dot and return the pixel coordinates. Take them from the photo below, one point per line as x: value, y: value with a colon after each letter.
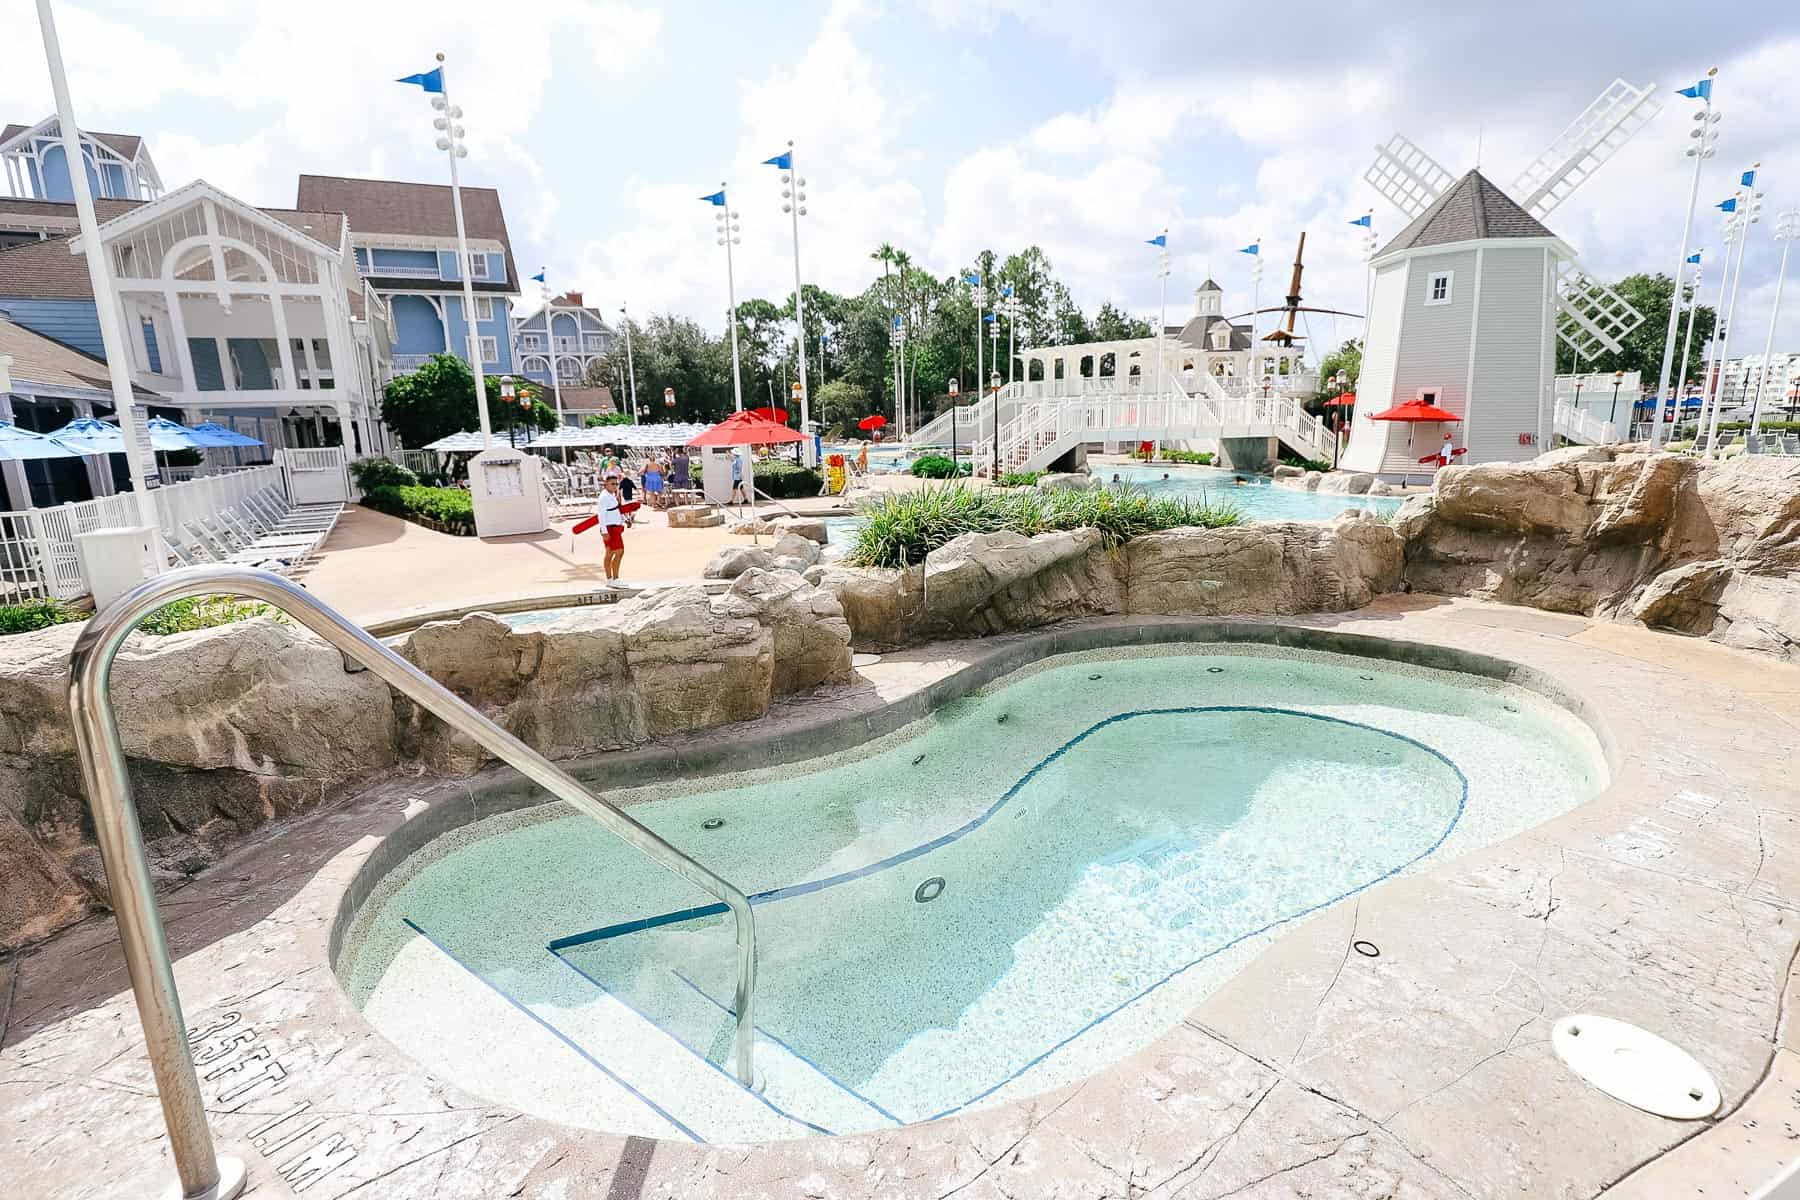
x: 231, y: 1182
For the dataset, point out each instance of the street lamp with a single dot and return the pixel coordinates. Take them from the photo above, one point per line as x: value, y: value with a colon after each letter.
x: 1704, y: 135
x: 994, y: 395
x: 793, y: 202
x: 450, y: 141
x: 668, y: 397
x: 726, y: 229
x: 1612, y: 417
x: 1746, y: 212
x: 897, y: 342
x: 1340, y: 381
x: 954, y: 389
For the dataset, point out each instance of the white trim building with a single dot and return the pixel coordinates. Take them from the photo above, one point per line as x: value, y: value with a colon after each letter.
x: 118, y: 164
x: 578, y: 338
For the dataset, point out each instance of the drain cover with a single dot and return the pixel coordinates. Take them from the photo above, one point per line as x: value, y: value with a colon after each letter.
x: 864, y: 660
x: 1636, y: 1066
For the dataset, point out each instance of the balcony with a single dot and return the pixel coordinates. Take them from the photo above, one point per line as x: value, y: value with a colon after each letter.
x: 405, y: 363
x: 380, y: 271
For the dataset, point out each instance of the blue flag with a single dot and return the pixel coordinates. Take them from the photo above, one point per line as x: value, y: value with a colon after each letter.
x: 784, y: 160
x: 1694, y: 258
x: 972, y: 280
x: 539, y: 277
x: 990, y: 316
x: 431, y: 81
x: 1748, y: 178
x: 717, y: 198
x: 1007, y: 291
x: 896, y: 323
x: 1161, y: 239
x: 1367, y: 220
x: 1729, y: 205
x: 1700, y: 91
x: 1252, y: 248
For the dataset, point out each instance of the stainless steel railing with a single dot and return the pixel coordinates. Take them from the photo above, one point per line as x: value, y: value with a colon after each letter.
x: 103, y: 773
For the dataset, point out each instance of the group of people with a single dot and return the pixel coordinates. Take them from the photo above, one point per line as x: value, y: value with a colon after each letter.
x: 617, y: 507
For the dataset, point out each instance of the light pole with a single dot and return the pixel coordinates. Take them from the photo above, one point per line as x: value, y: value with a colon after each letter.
x: 897, y: 341
x: 1787, y: 227
x: 1612, y: 417
x: 1687, y: 345
x: 450, y: 141
x: 824, y: 340
x: 630, y: 366
x: 994, y: 392
x: 1341, y: 381
x: 1161, y: 242
x: 980, y: 295
x: 1254, y: 250
x: 1746, y: 211
x: 550, y: 344
x: 1704, y: 136
x: 1369, y: 241
x: 953, y: 390
x: 793, y: 203
x: 197, y: 1150
x: 727, y: 232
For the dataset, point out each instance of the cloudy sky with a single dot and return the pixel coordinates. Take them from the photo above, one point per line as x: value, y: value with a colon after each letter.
x: 947, y: 126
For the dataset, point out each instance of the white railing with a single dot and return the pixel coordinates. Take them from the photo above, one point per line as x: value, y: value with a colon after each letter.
x: 379, y: 271
x: 317, y: 476
x: 38, y: 556
x: 1583, y: 427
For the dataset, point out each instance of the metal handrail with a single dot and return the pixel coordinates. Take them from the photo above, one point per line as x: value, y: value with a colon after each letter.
x: 121, y: 839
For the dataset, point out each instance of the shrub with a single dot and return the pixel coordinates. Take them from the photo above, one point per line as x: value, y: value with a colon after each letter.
x: 1020, y: 478
x: 449, y: 507
x: 936, y: 466
x: 902, y: 528
x: 777, y: 480
x: 1305, y: 464
x: 1194, y: 458
x: 372, y: 473
x: 201, y: 612
x: 33, y: 615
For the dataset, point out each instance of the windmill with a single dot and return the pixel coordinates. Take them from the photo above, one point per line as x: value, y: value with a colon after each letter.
x: 1469, y: 301
x: 1590, y: 316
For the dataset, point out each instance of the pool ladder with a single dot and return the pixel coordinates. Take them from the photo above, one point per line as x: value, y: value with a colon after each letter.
x: 203, y: 1174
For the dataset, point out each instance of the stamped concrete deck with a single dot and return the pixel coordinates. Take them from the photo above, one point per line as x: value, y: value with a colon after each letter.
x: 1670, y: 900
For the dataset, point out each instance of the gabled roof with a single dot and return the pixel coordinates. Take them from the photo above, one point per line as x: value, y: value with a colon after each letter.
x: 324, y: 230
x: 1209, y: 286
x: 588, y: 400
x: 377, y: 206
x: 49, y: 363
x: 1196, y: 333
x: 1470, y: 209
x: 125, y: 145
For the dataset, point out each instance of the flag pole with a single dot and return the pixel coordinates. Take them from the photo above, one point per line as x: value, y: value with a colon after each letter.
x: 452, y: 145
x: 1700, y: 153
x: 1745, y: 217
x: 112, y: 337
x: 1787, y: 226
x: 1687, y: 345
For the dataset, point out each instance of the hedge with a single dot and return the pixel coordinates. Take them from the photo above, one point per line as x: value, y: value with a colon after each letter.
x: 448, y: 510
x: 936, y: 466
x: 777, y: 480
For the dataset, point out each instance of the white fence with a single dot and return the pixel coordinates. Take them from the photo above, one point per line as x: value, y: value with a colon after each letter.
x: 38, y: 557
x: 319, y: 476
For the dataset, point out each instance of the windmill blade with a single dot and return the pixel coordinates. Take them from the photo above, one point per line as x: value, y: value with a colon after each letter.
x: 1581, y: 149
x: 1590, y: 316
x: 1407, y: 177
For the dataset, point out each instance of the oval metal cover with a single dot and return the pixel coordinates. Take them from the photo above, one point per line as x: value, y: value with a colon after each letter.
x: 1636, y: 1066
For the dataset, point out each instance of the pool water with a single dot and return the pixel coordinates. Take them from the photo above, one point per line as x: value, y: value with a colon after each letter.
x: 1257, y: 497
x: 1036, y: 881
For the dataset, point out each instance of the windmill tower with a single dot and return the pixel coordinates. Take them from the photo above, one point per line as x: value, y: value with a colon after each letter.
x: 1470, y: 299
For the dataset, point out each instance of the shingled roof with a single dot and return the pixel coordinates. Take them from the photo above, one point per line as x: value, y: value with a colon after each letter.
x: 1471, y: 208
x: 49, y: 363
x: 377, y: 206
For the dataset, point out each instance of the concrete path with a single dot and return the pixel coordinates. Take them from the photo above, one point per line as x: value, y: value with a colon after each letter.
x: 1672, y: 899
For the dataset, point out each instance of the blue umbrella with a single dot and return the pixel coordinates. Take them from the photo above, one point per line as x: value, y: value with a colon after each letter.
x: 85, y: 435
x: 17, y: 444
x: 168, y: 435
x: 211, y: 433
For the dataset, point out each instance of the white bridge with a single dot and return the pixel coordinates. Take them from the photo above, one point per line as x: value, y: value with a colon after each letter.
x: 1039, y: 422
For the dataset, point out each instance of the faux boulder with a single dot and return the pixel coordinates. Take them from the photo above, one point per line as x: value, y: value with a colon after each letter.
x: 1674, y: 542
x: 986, y: 583
x: 224, y: 729
x: 790, y: 552
x: 1066, y: 481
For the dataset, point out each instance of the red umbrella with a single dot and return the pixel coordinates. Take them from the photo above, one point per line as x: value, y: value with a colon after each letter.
x: 747, y: 429
x: 1415, y: 412
x: 777, y: 415
x: 874, y: 422
x: 1347, y: 400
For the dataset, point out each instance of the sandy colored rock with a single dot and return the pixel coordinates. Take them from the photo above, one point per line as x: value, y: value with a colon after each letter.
x: 693, y: 516
x: 1066, y: 481
x: 812, y: 638
x: 733, y: 561
x: 1348, y: 483
x: 1267, y: 567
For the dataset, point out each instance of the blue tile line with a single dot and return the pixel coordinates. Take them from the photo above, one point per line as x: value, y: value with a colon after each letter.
x: 558, y: 1034
x: 786, y: 893
x: 732, y: 1079
x: 763, y: 1029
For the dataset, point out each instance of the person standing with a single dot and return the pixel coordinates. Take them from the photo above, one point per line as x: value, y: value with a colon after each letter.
x: 678, y: 470
x: 1447, y: 454
x: 738, y: 494
x: 612, y: 527
x: 653, y: 482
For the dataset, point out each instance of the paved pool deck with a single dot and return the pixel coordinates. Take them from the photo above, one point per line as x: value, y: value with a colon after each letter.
x: 1671, y: 900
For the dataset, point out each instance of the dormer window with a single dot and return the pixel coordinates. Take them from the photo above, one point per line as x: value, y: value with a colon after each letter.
x: 1437, y: 287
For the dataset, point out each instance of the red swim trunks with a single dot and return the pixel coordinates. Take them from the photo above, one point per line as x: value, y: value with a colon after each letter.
x: 615, y: 537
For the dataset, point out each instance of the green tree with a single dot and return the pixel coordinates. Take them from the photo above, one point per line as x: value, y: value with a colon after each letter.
x: 841, y: 404
x: 599, y: 420
x: 1346, y: 358
x: 1642, y: 348
x: 438, y: 400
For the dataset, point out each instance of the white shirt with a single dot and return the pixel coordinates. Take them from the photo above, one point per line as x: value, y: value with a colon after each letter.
x: 608, y: 511
x: 1449, y: 450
